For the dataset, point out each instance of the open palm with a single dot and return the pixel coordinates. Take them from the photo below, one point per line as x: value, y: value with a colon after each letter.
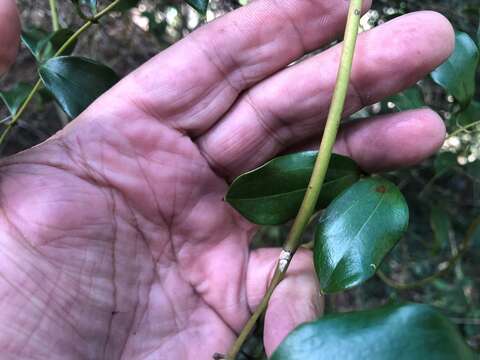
x: 116, y: 241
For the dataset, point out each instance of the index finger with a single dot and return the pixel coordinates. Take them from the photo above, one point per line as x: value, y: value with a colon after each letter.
x: 194, y: 82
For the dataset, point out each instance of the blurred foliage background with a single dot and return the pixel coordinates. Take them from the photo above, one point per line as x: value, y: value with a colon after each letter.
x: 443, y: 192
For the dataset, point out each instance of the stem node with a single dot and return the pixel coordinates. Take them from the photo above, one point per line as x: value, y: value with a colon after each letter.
x: 284, y: 260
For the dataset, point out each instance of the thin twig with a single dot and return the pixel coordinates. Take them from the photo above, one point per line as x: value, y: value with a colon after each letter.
x: 54, y: 15
x: 450, y: 264
x: 464, y: 129
x: 60, y: 51
x: 318, y: 176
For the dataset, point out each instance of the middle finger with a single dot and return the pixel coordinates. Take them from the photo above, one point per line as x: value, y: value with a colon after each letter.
x: 292, y: 105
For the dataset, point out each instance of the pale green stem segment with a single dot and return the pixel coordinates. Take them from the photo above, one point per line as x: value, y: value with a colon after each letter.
x: 54, y: 14
x: 319, y: 171
x: 464, y: 129
x: 60, y: 51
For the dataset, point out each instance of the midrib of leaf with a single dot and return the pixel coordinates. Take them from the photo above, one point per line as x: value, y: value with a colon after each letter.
x: 65, y: 79
x: 353, y: 239
x: 273, y: 196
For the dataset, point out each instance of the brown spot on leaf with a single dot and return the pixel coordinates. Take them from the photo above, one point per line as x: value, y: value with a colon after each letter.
x: 381, y: 189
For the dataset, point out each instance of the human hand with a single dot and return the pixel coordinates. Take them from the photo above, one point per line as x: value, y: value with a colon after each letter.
x: 115, y: 240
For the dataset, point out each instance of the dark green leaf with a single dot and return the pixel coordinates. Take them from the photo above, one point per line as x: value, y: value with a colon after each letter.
x: 469, y: 115
x: 34, y: 40
x: 457, y: 74
x: 200, y: 5
x: 44, y: 45
x: 15, y: 97
x: 441, y: 226
x: 392, y: 332
x: 55, y: 42
x: 409, y: 99
x: 76, y: 82
x: 356, y: 231
x: 273, y: 193
x: 444, y: 162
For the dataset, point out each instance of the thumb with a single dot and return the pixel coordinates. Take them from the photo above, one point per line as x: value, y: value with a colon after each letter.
x: 10, y: 34
x: 296, y: 300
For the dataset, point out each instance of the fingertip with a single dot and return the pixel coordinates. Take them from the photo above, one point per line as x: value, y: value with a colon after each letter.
x: 421, y: 131
x: 10, y: 29
x: 393, y: 141
x: 436, y: 29
x: 417, y: 43
x: 432, y: 127
x: 443, y: 30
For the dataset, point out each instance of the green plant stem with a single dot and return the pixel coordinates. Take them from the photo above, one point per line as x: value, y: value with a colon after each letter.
x: 85, y: 26
x: 318, y: 176
x: 20, y: 111
x: 450, y: 264
x: 54, y: 14
x: 463, y: 129
x: 60, y: 51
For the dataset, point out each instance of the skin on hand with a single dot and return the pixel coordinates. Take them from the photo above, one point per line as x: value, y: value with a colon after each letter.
x: 115, y: 239
x: 9, y: 34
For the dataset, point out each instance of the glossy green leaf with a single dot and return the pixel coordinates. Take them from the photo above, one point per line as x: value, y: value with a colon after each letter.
x: 457, y: 74
x: 34, y: 40
x: 200, y: 5
x: 273, y: 193
x: 408, y: 99
x: 468, y: 115
x: 441, y: 226
x: 76, y: 81
x: 15, y: 97
x: 356, y: 231
x: 56, y: 41
x: 44, y: 45
x: 392, y: 332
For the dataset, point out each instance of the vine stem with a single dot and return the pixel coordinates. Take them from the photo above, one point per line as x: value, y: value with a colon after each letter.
x: 463, y: 129
x: 54, y: 14
x: 319, y: 171
x: 450, y: 264
x: 59, y: 52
